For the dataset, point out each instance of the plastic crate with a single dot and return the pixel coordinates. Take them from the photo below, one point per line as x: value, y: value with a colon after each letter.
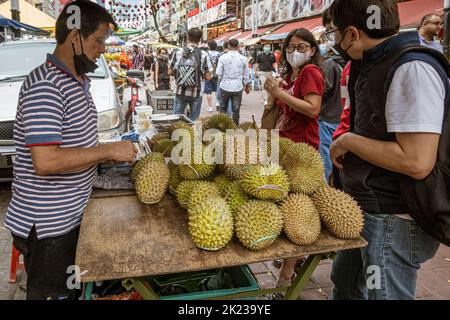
x: 162, y: 101
x: 241, y: 277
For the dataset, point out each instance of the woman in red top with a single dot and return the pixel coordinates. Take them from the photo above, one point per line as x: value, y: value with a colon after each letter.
x: 299, y: 96
x: 299, y: 99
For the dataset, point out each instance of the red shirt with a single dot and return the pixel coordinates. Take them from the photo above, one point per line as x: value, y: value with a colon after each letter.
x: 295, y: 125
x: 344, y: 126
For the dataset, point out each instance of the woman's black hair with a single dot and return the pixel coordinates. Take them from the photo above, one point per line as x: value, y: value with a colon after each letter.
x: 307, y: 36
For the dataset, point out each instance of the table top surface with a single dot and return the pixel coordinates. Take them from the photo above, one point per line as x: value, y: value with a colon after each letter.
x: 123, y: 238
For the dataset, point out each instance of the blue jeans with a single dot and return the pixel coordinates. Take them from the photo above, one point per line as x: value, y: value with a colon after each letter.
x: 387, y: 268
x: 235, y: 98
x: 326, y: 130
x: 219, y: 100
x: 195, y: 105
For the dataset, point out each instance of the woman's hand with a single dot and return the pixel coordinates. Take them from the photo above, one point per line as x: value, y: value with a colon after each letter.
x: 274, y: 86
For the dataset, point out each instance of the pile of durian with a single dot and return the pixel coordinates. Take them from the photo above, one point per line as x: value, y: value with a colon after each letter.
x: 255, y: 201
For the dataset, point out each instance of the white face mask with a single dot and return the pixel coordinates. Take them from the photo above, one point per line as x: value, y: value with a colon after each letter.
x: 297, y: 59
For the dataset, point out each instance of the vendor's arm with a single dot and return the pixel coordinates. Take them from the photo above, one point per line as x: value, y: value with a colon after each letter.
x: 413, y: 154
x: 53, y: 159
x: 43, y: 119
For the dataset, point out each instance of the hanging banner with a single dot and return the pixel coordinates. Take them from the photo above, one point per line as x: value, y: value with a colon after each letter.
x: 276, y: 11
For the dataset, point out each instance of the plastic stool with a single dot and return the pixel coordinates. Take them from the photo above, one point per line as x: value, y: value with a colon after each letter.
x: 15, y: 265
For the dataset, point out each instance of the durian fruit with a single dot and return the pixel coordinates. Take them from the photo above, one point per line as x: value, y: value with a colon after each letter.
x: 211, y: 224
x: 248, y: 125
x: 222, y: 181
x: 301, y: 219
x: 196, y: 171
x: 236, y: 171
x: 152, y: 182
x: 201, y: 191
x: 266, y: 182
x: 220, y: 121
x: 175, y: 178
x: 178, y: 125
x: 304, y: 167
x: 234, y: 196
x: 183, y: 192
x: 284, y: 144
x: 160, y: 136
x: 154, y: 156
x: 339, y: 212
x: 258, y: 223
x: 164, y: 146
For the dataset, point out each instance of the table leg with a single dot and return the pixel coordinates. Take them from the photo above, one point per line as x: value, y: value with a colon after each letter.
x: 141, y: 286
x: 88, y: 291
x: 303, y: 276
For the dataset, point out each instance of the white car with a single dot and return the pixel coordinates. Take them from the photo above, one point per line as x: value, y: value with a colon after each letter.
x: 18, y: 59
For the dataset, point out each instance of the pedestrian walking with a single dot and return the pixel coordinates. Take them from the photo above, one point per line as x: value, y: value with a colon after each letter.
x: 264, y: 66
x: 211, y: 85
x: 234, y: 79
x: 429, y: 28
x: 162, y: 78
x: 137, y: 58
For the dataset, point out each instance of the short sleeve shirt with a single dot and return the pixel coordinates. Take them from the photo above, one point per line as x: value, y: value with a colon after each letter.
x: 295, y: 125
x: 54, y: 108
x: 265, y: 62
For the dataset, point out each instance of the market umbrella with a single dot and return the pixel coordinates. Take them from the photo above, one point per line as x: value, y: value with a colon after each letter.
x: 114, y: 41
x: 10, y: 23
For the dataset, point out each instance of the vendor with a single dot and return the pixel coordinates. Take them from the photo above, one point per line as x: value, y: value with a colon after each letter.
x: 162, y: 78
x: 55, y: 135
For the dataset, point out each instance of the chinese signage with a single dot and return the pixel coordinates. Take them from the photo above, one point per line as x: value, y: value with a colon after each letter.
x: 274, y: 11
x: 204, y: 12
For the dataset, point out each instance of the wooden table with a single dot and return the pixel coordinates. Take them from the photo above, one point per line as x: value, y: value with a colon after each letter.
x: 120, y: 238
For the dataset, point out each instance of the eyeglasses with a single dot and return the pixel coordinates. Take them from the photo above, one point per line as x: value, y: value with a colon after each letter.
x: 300, y: 48
x: 331, y: 35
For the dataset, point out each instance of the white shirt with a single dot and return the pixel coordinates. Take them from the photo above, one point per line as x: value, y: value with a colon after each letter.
x: 415, y: 101
x: 233, y: 72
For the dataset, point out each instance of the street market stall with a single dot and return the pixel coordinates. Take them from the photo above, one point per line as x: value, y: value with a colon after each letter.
x: 121, y: 238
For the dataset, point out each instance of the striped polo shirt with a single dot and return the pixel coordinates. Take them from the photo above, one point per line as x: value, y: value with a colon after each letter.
x: 54, y: 108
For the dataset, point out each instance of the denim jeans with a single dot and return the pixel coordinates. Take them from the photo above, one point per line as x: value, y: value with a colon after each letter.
x: 387, y: 268
x: 219, y: 101
x: 195, y: 105
x: 235, y: 98
x: 326, y: 130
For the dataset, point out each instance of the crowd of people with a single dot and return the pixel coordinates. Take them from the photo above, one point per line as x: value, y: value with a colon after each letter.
x: 371, y: 101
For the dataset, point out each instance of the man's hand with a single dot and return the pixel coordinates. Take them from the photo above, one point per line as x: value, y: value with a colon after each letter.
x: 157, y: 86
x: 123, y: 151
x: 338, y: 150
x: 247, y: 89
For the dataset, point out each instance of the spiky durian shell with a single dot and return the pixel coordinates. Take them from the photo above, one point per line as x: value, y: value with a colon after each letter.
x: 339, y: 212
x: 258, y: 223
x: 211, y: 224
x: 152, y: 182
x: 304, y: 167
x: 265, y: 182
x: 301, y: 221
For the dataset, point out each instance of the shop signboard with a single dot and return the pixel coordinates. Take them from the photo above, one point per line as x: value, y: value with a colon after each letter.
x: 275, y: 11
x: 203, y: 12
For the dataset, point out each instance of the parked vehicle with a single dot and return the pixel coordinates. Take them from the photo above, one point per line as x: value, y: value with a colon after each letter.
x: 18, y: 59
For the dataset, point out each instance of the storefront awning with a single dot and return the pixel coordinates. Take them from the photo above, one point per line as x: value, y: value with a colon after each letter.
x: 261, y: 32
x: 309, y: 24
x: 227, y: 35
x: 411, y: 12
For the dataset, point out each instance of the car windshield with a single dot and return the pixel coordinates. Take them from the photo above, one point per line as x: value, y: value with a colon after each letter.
x: 18, y: 60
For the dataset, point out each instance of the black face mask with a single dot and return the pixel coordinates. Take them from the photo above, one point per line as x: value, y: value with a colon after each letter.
x: 343, y: 53
x: 82, y: 63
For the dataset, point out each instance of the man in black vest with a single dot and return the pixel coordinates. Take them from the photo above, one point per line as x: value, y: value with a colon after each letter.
x: 398, y: 111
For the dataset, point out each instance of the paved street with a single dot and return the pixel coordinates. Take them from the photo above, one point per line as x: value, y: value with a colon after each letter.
x: 433, y: 282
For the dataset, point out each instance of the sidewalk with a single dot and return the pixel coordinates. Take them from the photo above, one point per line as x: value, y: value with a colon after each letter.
x: 433, y: 282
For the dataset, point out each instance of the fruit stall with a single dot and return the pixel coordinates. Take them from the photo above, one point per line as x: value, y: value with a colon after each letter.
x: 189, y: 230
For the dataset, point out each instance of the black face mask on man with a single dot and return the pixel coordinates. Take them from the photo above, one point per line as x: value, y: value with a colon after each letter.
x: 343, y: 53
x: 81, y: 62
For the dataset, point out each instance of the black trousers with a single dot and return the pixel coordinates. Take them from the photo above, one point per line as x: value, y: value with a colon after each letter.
x: 236, y: 100
x: 46, y: 264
